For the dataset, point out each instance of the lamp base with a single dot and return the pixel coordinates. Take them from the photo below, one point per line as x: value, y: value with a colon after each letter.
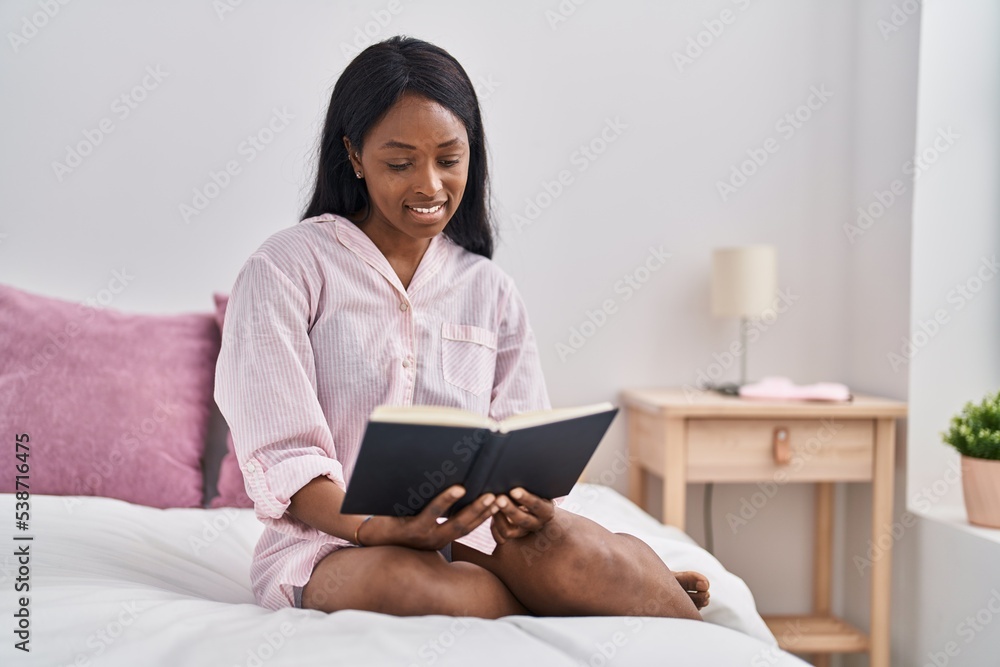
x: 727, y: 388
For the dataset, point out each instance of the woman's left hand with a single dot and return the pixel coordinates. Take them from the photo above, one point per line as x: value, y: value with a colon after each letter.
x: 520, y: 516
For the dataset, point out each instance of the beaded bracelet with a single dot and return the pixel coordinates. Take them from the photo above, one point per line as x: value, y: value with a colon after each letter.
x: 357, y: 540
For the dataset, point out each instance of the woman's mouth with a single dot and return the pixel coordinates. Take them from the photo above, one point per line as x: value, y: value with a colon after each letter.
x: 429, y: 213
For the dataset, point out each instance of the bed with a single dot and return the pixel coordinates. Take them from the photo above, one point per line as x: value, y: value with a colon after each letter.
x: 142, y: 531
x: 117, y: 583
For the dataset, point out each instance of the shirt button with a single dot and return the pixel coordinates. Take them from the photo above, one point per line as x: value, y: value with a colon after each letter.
x: 406, y: 363
x: 250, y: 466
x: 403, y: 306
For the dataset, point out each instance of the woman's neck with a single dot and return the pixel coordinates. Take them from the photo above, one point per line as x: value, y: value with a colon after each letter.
x: 401, y: 251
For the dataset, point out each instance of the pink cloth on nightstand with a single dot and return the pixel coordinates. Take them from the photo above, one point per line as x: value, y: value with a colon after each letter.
x: 782, y: 388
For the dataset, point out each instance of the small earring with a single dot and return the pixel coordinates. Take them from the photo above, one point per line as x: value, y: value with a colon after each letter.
x: 358, y: 173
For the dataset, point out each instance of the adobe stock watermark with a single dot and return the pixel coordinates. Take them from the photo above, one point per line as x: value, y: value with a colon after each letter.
x: 913, y: 168
x: 434, y: 480
x: 213, y: 526
x: 754, y: 328
x: 248, y: 150
x: 323, y: 589
x: 271, y: 642
x: 704, y: 40
x: 626, y: 286
x: 101, y: 639
x: 562, y: 12
x: 537, y: 543
x: 121, y: 108
x: 618, y: 467
x: 750, y: 507
x: 223, y: 8
x: 32, y: 25
x: 485, y: 86
x: 580, y: 159
x: 924, y: 499
x: 786, y: 126
x: 60, y: 339
x: 433, y: 649
x: 898, y: 17
x: 368, y: 33
x: 958, y: 297
x: 967, y: 629
x: 606, y: 652
x: 119, y: 453
x: 772, y: 654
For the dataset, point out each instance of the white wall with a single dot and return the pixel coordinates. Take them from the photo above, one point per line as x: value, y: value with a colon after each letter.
x: 547, y: 88
x: 947, y: 581
x: 877, y: 278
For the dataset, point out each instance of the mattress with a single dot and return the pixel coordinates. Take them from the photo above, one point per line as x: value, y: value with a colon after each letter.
x: 115, y: 584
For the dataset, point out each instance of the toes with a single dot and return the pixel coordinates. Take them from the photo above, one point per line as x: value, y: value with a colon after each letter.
x: 695, y: 584
x: 692, y: 581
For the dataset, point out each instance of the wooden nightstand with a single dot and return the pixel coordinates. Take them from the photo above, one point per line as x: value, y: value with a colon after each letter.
x: 691, y: 436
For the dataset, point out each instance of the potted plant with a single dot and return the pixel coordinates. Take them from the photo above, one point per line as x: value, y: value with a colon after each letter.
x: 975, y: 433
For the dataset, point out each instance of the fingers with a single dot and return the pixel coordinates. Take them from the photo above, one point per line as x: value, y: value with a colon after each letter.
x: 442, y: 502
x: 496, y: 528
x: 513, y: 517
x: 542, y: 508
x: 504, y: 530
x: 528, y: 512
x: 469, y: 517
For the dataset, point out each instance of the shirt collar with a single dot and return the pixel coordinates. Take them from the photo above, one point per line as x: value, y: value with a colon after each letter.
x: 355, y: 240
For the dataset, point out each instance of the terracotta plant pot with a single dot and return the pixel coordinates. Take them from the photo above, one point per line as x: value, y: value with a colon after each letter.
x: 981, y: 486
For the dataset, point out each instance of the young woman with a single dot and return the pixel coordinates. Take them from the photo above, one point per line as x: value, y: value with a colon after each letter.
x: 385, y: 294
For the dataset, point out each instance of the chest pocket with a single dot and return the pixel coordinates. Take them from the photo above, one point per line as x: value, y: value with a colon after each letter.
x: 468, y: 356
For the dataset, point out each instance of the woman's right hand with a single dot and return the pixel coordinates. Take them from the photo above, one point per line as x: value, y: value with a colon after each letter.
x: 423, y: 530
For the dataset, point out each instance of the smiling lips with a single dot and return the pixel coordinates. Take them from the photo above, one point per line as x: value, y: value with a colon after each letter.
x: 434, y: 208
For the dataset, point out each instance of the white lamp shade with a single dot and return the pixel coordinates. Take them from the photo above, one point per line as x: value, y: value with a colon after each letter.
x: 744, y: 280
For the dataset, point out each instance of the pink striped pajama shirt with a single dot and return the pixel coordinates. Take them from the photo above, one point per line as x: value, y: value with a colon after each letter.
x: 319, y: 330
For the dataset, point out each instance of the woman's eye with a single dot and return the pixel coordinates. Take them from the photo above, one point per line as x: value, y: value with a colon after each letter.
x: 403, y: 165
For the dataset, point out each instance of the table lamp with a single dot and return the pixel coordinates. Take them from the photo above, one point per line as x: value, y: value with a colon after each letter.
x: 744, y: 281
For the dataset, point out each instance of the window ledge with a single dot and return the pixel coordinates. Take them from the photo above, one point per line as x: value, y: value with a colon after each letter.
x: 953, y: 514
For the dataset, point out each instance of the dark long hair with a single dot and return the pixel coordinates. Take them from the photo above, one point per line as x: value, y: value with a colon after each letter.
x: 365, y: 91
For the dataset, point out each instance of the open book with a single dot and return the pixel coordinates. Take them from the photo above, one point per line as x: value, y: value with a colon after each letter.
x: 410, y: 454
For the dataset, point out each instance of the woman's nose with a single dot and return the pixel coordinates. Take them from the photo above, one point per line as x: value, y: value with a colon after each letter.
x: 427, y: 181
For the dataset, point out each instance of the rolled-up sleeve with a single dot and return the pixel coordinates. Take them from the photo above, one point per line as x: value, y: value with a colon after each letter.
x: 265, y: 387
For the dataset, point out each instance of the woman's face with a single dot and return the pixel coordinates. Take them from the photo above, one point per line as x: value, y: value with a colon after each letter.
x: 415, y: 163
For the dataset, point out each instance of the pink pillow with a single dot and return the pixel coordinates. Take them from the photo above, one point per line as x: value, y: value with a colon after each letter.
x: 232, y: 489
x: 115, y: 404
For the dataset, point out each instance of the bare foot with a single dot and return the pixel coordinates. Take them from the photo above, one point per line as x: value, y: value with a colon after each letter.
x: 696, y: 585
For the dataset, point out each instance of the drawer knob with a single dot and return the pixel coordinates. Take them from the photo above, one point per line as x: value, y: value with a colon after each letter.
x: 780, y: 449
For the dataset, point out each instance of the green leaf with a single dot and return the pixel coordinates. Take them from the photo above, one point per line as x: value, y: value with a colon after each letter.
x: 975, y: 431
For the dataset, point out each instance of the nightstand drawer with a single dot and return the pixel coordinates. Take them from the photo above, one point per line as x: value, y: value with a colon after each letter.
x: 743, y: 450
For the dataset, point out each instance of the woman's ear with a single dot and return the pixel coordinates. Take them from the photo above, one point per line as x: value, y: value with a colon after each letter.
x: 353, y: 156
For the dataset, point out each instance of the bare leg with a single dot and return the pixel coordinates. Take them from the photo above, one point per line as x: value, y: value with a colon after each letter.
x: 406, y: 582
x: 576, y: 567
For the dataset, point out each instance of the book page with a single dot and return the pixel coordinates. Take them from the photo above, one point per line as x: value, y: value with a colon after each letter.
x: 435, y: 415
x: 539, y: 417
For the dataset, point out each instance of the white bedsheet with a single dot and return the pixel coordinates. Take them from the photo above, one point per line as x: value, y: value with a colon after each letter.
x: 114, y: 583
